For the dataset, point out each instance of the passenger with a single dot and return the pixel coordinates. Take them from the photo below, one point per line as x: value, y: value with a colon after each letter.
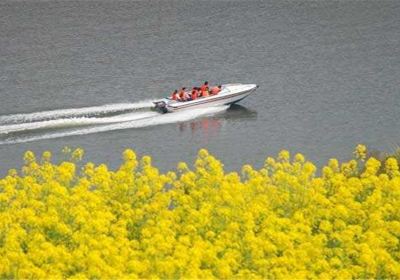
x: 204, y: 87
x: 186, y: 96
x: 195, y: 93
x: 174, y: 95
x: 215, y: 90
x: 182, y: 94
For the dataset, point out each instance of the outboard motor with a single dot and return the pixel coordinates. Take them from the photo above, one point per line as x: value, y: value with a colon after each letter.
x: 161, y: 107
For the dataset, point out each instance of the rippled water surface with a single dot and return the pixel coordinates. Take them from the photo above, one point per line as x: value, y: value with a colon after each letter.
x: 328, y: 76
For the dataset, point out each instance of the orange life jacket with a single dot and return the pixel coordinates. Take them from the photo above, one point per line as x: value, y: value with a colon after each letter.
x: 215, y: 90
x: 182, y: 95
x: 194, y: 94
x: 204, y: 88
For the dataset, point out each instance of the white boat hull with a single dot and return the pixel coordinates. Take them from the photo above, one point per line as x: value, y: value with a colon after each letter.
x: 230, y: 94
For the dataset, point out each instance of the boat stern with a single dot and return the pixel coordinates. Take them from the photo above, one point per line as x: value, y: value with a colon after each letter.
x: 161, y: 106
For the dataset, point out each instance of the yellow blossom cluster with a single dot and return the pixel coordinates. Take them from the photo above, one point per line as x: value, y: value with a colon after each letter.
x: 287, y: 220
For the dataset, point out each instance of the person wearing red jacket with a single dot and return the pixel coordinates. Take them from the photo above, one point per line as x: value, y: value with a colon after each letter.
x: 194, y: 94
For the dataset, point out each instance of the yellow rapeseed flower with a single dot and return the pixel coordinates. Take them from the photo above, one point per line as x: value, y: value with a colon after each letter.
x: 288, y: 220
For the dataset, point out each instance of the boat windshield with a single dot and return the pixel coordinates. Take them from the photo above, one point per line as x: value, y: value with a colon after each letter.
x: 225, y: 89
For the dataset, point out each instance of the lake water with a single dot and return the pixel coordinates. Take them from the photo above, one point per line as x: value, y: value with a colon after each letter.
x: 329, y: 77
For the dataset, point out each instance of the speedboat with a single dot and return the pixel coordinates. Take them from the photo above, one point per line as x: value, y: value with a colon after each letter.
x: 229, y: 94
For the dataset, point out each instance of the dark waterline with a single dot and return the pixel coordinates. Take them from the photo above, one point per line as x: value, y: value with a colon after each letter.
x: 328, y: 74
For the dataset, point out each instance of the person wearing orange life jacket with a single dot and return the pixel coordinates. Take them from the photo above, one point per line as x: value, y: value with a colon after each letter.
x: 215, y: 90
x: 184, y: 95
x: 204, y: 89
x: 194, y: 94
x: 181, y: 94
x: 174, y: 95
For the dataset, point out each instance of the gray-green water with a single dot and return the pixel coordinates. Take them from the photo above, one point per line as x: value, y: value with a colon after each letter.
x: 328, y: 75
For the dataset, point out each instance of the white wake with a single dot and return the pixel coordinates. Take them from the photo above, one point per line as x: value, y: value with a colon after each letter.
x: 72, y: 122
x: 156, y: 119
x: 74, y: 112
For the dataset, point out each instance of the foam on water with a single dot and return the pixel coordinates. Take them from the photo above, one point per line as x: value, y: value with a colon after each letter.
x: 74, y: 112
x: 137, y: 123
x: 72, y: 122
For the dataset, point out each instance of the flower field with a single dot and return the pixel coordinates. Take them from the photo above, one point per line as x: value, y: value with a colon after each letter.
x: 286, y: 220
